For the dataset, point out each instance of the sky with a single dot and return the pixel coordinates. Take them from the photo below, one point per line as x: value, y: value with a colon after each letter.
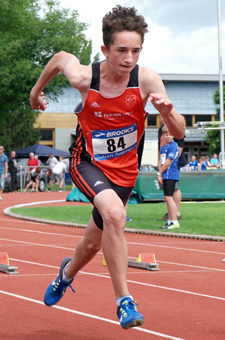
x: 182, y: 38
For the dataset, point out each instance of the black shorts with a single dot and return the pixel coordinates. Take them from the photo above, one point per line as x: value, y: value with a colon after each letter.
x: 90, y: 180
x: 176, y: 185
x: 169, y: 185
x: 34, y: 177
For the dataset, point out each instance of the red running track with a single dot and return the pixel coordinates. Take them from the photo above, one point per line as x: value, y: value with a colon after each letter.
x: 184, y: 300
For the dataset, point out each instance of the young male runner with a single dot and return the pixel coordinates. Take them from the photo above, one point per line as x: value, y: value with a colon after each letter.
x: 104, y: 161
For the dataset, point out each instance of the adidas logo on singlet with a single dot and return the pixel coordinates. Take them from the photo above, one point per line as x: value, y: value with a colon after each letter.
x: 95, y: 105
x: 97, y: 183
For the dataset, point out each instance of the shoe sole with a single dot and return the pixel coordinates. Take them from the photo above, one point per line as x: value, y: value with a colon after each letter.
x: 135, y: 323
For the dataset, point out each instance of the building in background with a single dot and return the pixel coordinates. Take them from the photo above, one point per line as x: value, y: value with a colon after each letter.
x: 192, y: 95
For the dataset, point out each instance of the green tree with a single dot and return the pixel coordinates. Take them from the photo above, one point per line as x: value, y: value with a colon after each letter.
x: 31, y: 32
x: 213, y: 136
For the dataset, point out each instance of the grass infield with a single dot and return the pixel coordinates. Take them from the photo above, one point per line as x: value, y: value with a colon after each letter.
x: 197, y: 218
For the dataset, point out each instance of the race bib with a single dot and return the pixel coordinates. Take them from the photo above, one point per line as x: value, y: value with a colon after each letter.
x: 162, y: 158
x: 108, y: 144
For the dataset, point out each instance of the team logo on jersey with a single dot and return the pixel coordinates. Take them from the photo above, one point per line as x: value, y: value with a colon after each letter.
x: 130, y: 100
x: 98, y: 114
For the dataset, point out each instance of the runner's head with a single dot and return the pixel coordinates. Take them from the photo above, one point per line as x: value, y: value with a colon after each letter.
x: 122, y: 19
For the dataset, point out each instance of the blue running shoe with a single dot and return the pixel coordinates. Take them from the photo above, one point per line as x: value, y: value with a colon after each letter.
x: 128, y: 219
x: 57, y: 288
x: 128, y: 314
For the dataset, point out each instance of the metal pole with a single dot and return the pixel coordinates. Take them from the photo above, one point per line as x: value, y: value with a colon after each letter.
x: 220, y: 82
x: 21, y: 179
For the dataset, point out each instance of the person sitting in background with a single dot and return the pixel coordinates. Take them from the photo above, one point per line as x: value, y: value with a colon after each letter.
x: 214, y: 161
x: 34, y: 181
x: 207, y: 161
x: 57, y: 172
x: 202, y: 163
x: 193, y: 164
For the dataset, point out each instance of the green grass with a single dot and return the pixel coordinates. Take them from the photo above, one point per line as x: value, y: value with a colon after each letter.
x: 197, y: 218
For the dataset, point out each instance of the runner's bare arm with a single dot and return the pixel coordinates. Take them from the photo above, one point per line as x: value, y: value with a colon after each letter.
x: 153, y: 90
x: 63, y: 62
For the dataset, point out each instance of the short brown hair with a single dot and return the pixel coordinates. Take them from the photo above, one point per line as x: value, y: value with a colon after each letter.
x: 122, y: 19
x: 165, y: 129
x: 38, y: 170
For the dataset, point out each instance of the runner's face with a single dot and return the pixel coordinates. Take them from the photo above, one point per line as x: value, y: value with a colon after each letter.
x: 123, y: 54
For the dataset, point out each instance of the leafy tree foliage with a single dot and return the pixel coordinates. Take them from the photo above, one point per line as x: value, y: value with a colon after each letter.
x: 31, y: 32
x: 213, y: 136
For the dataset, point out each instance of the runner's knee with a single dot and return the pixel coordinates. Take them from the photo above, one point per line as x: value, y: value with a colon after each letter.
x: 115, y: 216
x: 91, y: 245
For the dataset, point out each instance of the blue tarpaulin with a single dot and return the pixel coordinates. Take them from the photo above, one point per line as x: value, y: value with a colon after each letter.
x: 76, y: 195
x: 40, y: 150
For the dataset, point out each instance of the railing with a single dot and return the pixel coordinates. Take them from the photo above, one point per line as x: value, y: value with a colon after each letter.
x: 22, y: 175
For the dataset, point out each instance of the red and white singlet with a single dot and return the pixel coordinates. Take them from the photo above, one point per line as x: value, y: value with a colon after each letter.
x: 109, y: 130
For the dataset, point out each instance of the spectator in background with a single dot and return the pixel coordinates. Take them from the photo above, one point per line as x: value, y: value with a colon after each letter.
x: 207, y: 161
x: 193, y: 164
x: 3, y: 169
x: 202, y: 163
x: 52, y: 161
x: 57, y: 172
x: 168, y: 175
x: 32, y: 162
x: 181, y: 163
x: 13, y: 166
x: 214, y: 161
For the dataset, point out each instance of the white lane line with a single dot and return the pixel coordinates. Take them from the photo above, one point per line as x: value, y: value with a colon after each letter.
x: 193, y: 266
x: 100, y: 253
x: 132, y: 243
x: 41, y: 232
x: 23, y: 275
x: 131, y: 281
x: 163, y: 244
x: 92, y: 316
x: 66, y: 248
x: 20, y: 221
x: 37, y: 244
x: 177, y: 248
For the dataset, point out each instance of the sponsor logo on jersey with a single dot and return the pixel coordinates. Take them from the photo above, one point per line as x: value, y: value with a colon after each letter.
x: 99, y: 134
x: 130, y: 100
x: 120, y: 132
x: 112, y: 115
x: 95, y: 104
